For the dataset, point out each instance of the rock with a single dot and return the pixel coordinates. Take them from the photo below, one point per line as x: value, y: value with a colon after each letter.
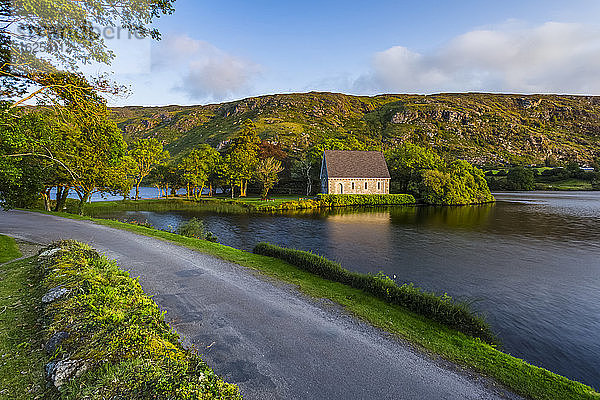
x: 49, y: 253
x: 54, y: 294
x: 55, y: 341
x: 59, y: 372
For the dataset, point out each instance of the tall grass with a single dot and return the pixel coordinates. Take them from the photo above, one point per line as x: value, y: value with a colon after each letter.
x: 443, y: 309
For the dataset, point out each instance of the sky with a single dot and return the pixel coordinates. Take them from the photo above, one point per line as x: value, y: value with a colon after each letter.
x: 215, y: 51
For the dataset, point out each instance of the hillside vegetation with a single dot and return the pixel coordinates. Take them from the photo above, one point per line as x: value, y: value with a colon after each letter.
x: 478, y: 127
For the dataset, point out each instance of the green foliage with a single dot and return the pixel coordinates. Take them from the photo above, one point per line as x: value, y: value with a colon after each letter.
x: 460, y: 183
x: 194, y: 228
x: 342, y: 200
x: 241, y: 157
x: 406, y: 161
x: 23, y: 178
x: 266, y: 173
x: 442, y: 309
x: 519, y: 178
x: 121, y: 333
x: 426, y: 175
x: 146, y: 155
x: 64, y: 31
x: 198, y: 166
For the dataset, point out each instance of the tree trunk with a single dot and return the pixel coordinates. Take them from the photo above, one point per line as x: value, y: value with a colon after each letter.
x: 232, y: 188
x: 61, y: 198
x: 137, y: 191
x: 210, y: 189
x: 46, y: 197
x: 308, y: 186
x: 187, y: 193
x: 82, y: 201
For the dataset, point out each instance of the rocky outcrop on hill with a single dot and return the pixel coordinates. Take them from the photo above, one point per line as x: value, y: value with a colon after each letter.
x: 478, y: 127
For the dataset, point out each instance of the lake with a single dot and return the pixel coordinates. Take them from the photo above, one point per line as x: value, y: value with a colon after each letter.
x: 530, y: 262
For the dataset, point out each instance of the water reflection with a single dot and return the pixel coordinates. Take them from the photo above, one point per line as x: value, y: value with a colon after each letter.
x: 530, y: 261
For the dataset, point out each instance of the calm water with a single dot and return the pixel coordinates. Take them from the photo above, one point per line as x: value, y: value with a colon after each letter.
x: 531, y: 262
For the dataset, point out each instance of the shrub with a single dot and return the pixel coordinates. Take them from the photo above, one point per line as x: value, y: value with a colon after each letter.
x: 194, y: 228
x: 442, y: 309
x: 341, y: 200
x: 519, y: 178
x: 119, y: 331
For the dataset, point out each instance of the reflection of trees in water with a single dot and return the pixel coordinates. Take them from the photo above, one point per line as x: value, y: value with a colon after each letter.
x: 449, y: 217
x: 501, y: 219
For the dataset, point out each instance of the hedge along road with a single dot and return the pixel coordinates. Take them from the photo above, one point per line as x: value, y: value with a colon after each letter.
x: 271, y: 340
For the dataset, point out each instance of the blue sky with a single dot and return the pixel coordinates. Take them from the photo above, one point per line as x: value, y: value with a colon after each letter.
x: 215, y: 51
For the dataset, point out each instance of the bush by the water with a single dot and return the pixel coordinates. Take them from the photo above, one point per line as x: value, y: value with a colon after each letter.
x: 340, y: 200
x: 433, y: 180
x: 195, y: 228
x: 442, y: 309
x: 119, y: 334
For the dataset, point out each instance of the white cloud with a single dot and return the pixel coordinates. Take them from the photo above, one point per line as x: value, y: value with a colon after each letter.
x: 206, y: 72
x: 553, y: 57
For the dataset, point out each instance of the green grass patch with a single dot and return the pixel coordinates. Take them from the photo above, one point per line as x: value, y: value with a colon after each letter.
x: 519, y: 376
x: 21, y: 324
x: 442, y: 309
x: 239, y: 205
x: 8, y: 249
x: 120, y: 335
x: 567, y: 184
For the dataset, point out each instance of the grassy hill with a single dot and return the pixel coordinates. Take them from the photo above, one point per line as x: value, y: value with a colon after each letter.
x: 479, y: 127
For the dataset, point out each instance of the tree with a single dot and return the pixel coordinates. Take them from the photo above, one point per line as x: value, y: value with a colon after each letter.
x: 407, y: 161
x: 305, y: 165
x: 197, y: 167
x: 67, y: 33
x: 242, y: 157
x: 458, y: 183
x: 147, y: 154
x: 266, y: 173
x: 520, y: 178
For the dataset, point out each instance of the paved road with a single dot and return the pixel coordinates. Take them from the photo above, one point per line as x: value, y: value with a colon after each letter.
x: 272, y: 341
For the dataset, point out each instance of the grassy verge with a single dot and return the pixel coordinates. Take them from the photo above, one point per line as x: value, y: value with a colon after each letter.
x: 117, y: 336
x: 442, y: 309
x: 8, y: 249
x: 516, y: 374
x: 21, y: 356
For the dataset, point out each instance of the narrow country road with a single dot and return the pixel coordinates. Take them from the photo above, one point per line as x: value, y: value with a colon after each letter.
x: 266, y: 337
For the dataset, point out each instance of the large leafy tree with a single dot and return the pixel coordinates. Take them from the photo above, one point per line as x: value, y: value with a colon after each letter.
x: 146, y: 154
x: 197, y: 168
x: 74, y: 145
x: 38, y: 38
x: 407, y: 161
x: 241, y: 157
x: 266, y: 173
